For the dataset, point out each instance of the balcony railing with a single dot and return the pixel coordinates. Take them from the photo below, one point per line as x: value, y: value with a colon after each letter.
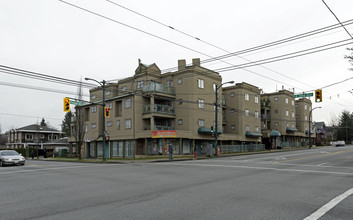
x: 159, y: 128
x: 266, y: 117
x: 158, y: 87
x: 160, y: 109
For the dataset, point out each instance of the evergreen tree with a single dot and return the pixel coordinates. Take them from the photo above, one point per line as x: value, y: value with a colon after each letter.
x: 43, y: 123
x: 345, y: 127
x: 66, y: 124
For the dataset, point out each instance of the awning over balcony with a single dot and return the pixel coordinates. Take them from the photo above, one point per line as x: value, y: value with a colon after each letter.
x: 253, y: 134
x: 275, y: 133
x: 207, y: 131
x: 288, y: 129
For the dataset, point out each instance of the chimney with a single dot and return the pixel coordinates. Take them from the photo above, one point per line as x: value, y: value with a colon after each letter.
x: 181, y: 64
x: 196, y: 62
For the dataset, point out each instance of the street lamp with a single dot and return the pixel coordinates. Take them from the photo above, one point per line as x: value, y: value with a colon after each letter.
x: 102, y: 84
x: 310, y: 125
x: 216, y: 114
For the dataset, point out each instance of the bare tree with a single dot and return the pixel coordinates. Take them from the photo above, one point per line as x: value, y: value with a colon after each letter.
x: 78, y: 131
x: 350, y: 57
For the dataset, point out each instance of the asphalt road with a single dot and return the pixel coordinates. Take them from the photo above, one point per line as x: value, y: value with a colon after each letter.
x: 306, y: 184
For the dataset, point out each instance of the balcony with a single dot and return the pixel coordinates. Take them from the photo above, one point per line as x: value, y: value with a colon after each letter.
x: 159, y: 109
x: 159, y: 128
x: 266, y: 117
x: 155, y: 87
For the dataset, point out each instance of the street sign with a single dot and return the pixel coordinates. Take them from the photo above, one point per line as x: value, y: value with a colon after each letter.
x: 76, y: 103
x: 303, y: 95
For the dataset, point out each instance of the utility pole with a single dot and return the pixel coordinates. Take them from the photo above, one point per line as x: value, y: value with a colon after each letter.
x: 310, y: 125
x: 102, y: 84
x: 216, y: 115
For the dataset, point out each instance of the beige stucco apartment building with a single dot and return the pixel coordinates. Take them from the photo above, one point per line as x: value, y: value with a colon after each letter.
x: 151, y: 111
x: 284, y: 119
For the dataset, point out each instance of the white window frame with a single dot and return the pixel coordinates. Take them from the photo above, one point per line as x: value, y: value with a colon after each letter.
x: 109, y: 105
x: 257, y: 129
x: 276, y: 124
x: 108, y: 92
x: 247, y: 112
x: 233, y: 127
x: 201, y: 83
x: 128, y: 103
x: 28, y: 136
x: 275, y: 98
x: 201, y: 103
x: 109, y: 123
x: 124, y: 88
x: 201, y: 123
x: 292, y: 102
x: 293, y: 115
x: 139, y: 84
x: 169, y: 83
x: 93, y: 108
x: 232, y: 94
x: 247, y: 97
x: 128, y: 123
x: 247, y: 128
x: 118, y: 124
x: 287, y: 113
x: 86, y: 128
x: 93, y: 97
x: 180, y: 81
x: 93, y: 125
x: 287, y: 101
x: 180, y: 121
x: 256, y: 99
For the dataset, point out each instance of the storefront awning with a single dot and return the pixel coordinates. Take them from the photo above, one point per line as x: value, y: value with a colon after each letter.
x: 275, y: 133
x: 288, y: 129
x: 253, y: 134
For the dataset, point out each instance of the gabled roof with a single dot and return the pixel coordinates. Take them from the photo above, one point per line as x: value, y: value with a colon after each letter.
x: 37, y: 128
x: 319, y: 125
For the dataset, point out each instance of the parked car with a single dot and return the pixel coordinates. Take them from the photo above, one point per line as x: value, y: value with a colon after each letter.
x: 11, y: 157
x: 340, y: 143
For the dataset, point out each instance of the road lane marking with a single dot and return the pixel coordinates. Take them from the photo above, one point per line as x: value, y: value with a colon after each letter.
x: 256, y: 168
x: 309, y: 157
x: 328, y: 206
x: 56, y: 168
x: 321, y: 164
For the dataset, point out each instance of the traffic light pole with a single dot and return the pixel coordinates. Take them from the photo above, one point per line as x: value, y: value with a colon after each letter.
x: 103, y: 112
x: 103, y: 119
x: 310, y: 125
x: 216, y: 117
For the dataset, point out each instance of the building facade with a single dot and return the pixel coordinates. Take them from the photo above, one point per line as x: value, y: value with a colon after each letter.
x: 151, y: 111
x: 284, y: 116
x: 32, y: 136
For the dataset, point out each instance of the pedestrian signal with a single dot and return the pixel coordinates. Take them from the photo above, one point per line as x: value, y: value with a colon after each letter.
x: 106, y: 112
x: 66, y: 105
x: 318, y: 95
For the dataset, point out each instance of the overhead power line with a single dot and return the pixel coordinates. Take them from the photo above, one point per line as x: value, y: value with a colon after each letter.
x: 40, y: 76
x: 338, y: 19
x: 164, y: 39
x: 40, y: 88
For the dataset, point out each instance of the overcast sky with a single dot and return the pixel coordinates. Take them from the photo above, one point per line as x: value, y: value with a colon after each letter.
x: 54, y: 38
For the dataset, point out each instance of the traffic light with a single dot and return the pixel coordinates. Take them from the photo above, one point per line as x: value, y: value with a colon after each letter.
x: 106, y: 112
x: 212, y: 133
x: 318, y: 95
x: 66, y: 104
